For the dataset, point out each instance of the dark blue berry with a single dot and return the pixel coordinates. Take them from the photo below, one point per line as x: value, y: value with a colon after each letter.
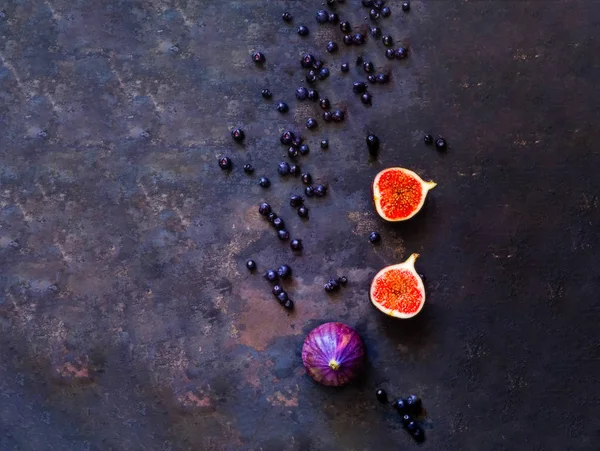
x: 248, y: 168
x: 309, y: 191
x: 264, y: 182
x: 368, y: 67
x: 418, y: 434
x: 292, y: 153
x: 313, y: 95
x: 382, y: 396
x: 338, y: 116
x: 287, y: 137
x: 345, y: 26
x: 366, y: 98
x: 358, y: 39
x: 225, y: 163
x: 311, y: 124
x: 323, y: 73
x: 406, y: 6
x: 406, y: 419
x: 307, y: 60
x: 282, y: 107
x: 238, y: 135
x: 324, y: 144
x: 383, y: 78
x: 301, y: 93
x: 306, y: 178
x: 379, y: 4
x: 386, y: 11
x: 284, y: 271
x: 375, y: 32
x: 428, y: 139
x: 271, y: 217
x: 288, y: 305
x: 334, y: 18
x: 440, y: 144
x: 258, y: 57
x: 345, y: 67
x: 358, y: 87
x: 296, y: 245
x: 282, y: 297
x: 332, y: 47
x: 372, y: 78
x: 320, y: 190
x: 327, y: 116
x: 318, y: 64
x: 283, y: 168
x: 264, y: 209
x: 390, y: 54
x: 296, y: 200
x: 277, y: 289
x: 266, y: 93
x: 374, y: 14
x: 251, y: 265
x: 411, y: 426
x: 295, y: 170
x: 400, y: 405
x: 283, y: 235
x: 324, y: 103
x: 387, y: 40
x: 303, y: 212
x: 343, y: 280
x: 334, y: 283
x: 374, y: 237
x: 347, y: 39
x: 304, y: 149
x: 271, y: 276
x: 373, y: 144
x: 297, y: 141
x: 303, y: 30
x: 401, y: 53
x: 311, y: 76
x: 322, y: 16
x: 414, y: 403
x: 287, y: 17
x: 278, y: 223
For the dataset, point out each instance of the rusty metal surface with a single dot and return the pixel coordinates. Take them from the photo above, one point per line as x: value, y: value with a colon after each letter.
x: 127, y: 318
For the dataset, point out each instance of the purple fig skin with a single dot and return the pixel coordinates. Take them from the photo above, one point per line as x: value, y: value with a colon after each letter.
x: 333, y: 354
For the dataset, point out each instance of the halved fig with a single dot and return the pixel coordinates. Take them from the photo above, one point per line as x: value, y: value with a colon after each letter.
x: 399, y: 193
x: 398, y: 290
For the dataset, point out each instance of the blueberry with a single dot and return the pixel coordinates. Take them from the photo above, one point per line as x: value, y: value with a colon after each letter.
x: 345, y: 26
x: 334, y: 283
x: 283, y: 168
x: 401, y: 53
x: 306, y: 178
x: 304, y: 149
x: 323, y: 73
x: 292, y: 153
x: 282, y: 107
x: 296, y: 201
x: 309, y: 191
x: 225, y: 163
x: 277, y: 289
x: 271, y: 217
x: 320, y: 190
x: 328, y: 288
x: 440, y: 144
x: 324, y: 103
x: 338, y: 116
x: 287, y: 17
x: 287, y: 137
x: 266, y: 93
x: 343, y: 280
x: 295, y: 170
x: 406, y: 6
x: 387, y: 40
x: 264, y: 209
x: 386, y: 11
x: 327, y: 116
x: 264, y: 182
x: 296, y: 245
x: 372, y: 144
x: 390, y: 54
x: 374, y: 14
x: 248, y: 168
x: 332, y: 47
x: 406, y: 419
x: 297, y: 141
x: 284, y: 271
x: 271, y: 276
x: 414, y: 403
x: 382, y: 396
x: 301, y: 93
x: 311, y: 76
x: 368, y: 67
x: 311, y: 124
x: 400, y: 405
x: 375, y: 32
x: 428, y: 139
x: 258, y: 58
x: 334, y: 18
x: 278, y: 223
x: 347, y: 39
x: 251, y: 265
x: 379, y: 4
x: 345, y: 67
x: 418, y: 434
x: 288, y: 304
x: 303, y: 30
x: 366, y: 98
x: 283, y: 235
x: 372, y: 78
x: 322, y: 16
x: 324, y: 144
x: 282, y: 297
x: 358, y: 39
x: 374, y: 237
x: 307, y: 60
x: 303, y: 212
x: 313, y: 95
x: 358, y: 87
x: 317, y: 65
x: 411, y: 426
x: 383, y: 78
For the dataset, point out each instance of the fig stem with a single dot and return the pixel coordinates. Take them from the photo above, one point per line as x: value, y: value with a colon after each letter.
x: 334, y: 365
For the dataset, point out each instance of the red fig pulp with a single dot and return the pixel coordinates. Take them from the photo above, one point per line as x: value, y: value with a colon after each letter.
x: 333, y: 354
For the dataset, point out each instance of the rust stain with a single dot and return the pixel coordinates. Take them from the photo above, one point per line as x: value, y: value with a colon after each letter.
x: 281, y: 400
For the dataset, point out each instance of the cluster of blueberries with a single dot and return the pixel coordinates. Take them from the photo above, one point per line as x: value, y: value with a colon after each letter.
x: 410, y: 408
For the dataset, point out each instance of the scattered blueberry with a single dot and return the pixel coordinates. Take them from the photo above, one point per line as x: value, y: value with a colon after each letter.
x: 282, y: 297
x: 311, y: 124
x: 295, y: 170
x: 296, y: 245
x: 327, y: 116
x: 358, y: 39
x: 345, y: 67
x: 372, y: 78
x: 332, y: 285
x: 386, y: 11
x: 284, y: 271
x: 292, y: 153
x: 282, y: 107
x: 296, y: 200
x: 278, y: 223
x: 401, y: 53
x: 387, y: 40
x: 428, y: 139
x: 307, y: 60
x: 287, y: 137
x: 406, y: 419
x: 301, y: 93
x: 440, y: 144
x: 323, y: 73
x: 303, y: 212
x: 264, y: 182
x: 283, y: 168
x: 225, y: 163
x: 306, y: 178
x: 251, y: 265
x: 374, y: 14
x: 248, y: 168
x: 368, y: 67
x: 400, y: 405
x: 264, y: 209
x: 418, y: 434
x: 345, y: 27
x: 283, y: 235
x: 311, y: 76
x: 406, y: 6
x: 383, y: 78
x: 382, y: 396
x: 324, y: 103
x: 287, y: 17
x: 379, y: 4
x: 266, y: 93
x: 304, y: 149
x: 322, y: 16
x: 324, y: 144
x: 358, y: 87
x: 271, y: 276
x: 303, y: 30
x: 309, y: 191
x: 297, y: 141
x: 347, y: 39
x: 343, y: 280
x: 313, y: 95
x: 277, y: 289
x: 390, y: 54
x: 374, y: 237
x: 411, y: 426
x: 258, y: 57
x: 288, y: 304
x: 338, y: 116
x: 320, y: 190
x: 372, y: 144
x: 334, y: 18
x: 375, y: 32
x: 414, y: 403
x: 332, y: 47
x: 365, y: 98
x: 318, y: 64
x: 272, y: 217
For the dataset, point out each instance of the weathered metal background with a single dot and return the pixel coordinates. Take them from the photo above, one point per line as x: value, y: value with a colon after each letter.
x: 127, y: 318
